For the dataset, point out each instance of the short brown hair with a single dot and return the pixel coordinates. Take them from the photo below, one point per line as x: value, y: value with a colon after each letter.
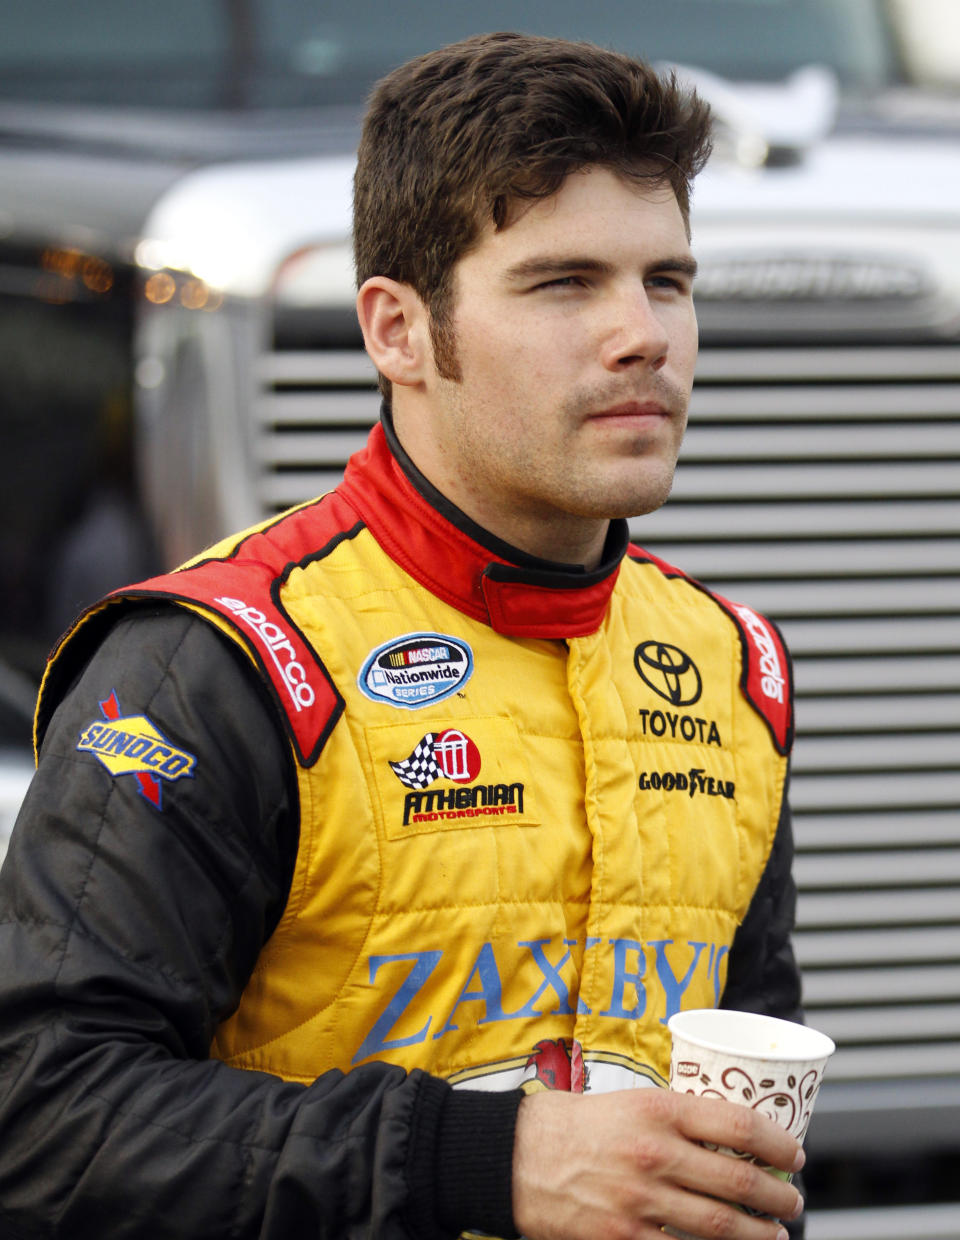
x: 457, y: 137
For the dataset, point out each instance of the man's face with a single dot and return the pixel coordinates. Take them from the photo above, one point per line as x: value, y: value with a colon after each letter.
x: 575, y: 339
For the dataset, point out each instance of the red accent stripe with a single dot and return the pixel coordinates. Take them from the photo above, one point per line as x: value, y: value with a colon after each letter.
x: 110, y: 708
x: 149, y: 787
x: 767, y: 678
x: 250, y: 580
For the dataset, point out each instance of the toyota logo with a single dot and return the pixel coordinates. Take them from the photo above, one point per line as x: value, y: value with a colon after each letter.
x: 669, y: 672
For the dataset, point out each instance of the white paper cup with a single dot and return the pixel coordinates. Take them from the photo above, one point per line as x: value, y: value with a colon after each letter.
x: 773, y: 1066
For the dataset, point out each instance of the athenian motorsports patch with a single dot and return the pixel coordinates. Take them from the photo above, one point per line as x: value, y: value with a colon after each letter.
x: 416, y: 670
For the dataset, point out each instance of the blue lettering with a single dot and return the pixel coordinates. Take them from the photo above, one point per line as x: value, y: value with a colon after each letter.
x: 717, y: 985
x: 138, y: 747
x: 672, y: 988
x: 551, y: 975
x: 118, y: 742
x: 490, y: 992
x: 376, y: 1040
x: 175, y: 764
x: 621, y: 978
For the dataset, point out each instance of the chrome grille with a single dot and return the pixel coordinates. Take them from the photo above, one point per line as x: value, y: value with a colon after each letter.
x: 821, y: 486
x: 313, y: 410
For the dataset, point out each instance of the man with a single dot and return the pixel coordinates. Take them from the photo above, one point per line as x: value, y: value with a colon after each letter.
x: 369, y: 854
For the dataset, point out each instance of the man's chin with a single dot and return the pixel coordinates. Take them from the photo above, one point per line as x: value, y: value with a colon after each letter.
x: 637, y: 501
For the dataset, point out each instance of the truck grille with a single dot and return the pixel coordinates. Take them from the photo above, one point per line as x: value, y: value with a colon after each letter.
x: 821, y: 486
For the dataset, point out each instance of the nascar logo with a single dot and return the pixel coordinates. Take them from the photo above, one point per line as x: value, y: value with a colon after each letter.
x: 132, y: 745
x: 416, y: 670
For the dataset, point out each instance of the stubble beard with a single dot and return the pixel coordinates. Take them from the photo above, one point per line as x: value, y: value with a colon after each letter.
x: 640, y: 480
x: 594, y: 501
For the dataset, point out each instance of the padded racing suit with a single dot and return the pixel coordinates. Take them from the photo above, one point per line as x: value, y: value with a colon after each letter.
x: 358, y: 805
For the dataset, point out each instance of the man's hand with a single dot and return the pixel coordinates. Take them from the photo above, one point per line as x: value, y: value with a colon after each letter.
x: 621, y: 1165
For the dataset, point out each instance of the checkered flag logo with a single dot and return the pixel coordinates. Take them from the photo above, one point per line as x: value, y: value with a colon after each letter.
x: 421, y: 768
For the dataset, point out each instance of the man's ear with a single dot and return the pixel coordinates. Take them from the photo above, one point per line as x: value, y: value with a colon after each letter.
x: 395, y: 327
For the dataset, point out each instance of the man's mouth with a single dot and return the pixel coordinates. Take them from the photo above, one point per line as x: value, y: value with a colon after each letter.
x: 632, y: 411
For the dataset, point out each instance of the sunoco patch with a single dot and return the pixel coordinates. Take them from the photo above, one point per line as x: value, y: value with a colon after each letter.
x: 132, y: 745
x: 416, y: 670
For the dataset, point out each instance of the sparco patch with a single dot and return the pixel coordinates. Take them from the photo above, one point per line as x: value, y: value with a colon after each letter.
x: 279, y: 648
x: 416, y: 670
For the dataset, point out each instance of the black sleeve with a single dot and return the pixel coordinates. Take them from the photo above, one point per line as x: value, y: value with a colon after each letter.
x: 128, y: 930
x: 763, y: 975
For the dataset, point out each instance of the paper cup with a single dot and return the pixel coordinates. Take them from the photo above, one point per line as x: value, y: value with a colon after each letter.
x: 773, y: 1066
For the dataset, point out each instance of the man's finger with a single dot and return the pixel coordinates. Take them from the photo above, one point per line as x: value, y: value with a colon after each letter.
x: 692, y: 1214
x: 740, y: 1182
x: 723, y: 1123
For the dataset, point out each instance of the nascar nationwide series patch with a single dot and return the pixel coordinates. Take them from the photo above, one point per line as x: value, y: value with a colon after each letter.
x: 416, y: 670
x: 132, y: 745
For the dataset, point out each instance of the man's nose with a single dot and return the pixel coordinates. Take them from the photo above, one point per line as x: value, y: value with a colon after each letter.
x: 637, y: 336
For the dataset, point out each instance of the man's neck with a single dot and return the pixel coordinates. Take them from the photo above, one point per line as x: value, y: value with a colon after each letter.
x: 560, y: 538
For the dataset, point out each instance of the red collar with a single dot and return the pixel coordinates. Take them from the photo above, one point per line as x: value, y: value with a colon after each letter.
x: 438, y: 545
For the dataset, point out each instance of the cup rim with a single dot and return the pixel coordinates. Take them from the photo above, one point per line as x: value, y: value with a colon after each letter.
x: 684, y: 1024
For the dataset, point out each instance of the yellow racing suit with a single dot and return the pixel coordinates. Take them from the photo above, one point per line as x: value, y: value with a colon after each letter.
x: 535, y: 810
x: 530, y: 813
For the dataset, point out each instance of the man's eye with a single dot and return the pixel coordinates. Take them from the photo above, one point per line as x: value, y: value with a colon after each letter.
x: 675, y: 283
x: 561, y: 282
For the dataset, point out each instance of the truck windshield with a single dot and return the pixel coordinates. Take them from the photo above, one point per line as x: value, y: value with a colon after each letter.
x: 214, y: 54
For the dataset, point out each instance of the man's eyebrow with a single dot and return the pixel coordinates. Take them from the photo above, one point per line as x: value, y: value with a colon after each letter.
x: 684, y: 265
x: 548, y: 265
x: 553, y: 265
